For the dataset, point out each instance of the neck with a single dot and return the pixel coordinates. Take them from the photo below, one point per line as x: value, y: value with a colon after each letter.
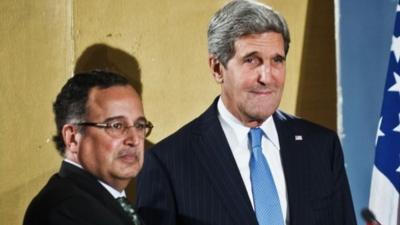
x: 252, y: 123
x: 119, y: 185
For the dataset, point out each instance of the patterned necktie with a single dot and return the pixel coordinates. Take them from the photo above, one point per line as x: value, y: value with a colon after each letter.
x: 129, y: 210
x: 265, y: 195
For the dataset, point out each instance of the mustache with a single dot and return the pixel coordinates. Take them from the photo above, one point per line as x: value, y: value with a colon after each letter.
x: 127, y: 152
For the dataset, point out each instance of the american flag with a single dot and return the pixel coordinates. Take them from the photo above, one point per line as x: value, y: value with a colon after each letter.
x: 385, y: 185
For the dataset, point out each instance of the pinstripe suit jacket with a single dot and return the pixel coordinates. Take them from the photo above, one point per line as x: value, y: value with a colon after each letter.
x: 191, y: 177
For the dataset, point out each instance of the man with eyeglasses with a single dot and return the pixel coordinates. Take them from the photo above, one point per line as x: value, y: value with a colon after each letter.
x: 101, y: 130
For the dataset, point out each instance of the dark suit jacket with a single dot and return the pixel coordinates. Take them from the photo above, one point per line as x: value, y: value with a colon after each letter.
x: 73, y: 196
x: 191, y: 177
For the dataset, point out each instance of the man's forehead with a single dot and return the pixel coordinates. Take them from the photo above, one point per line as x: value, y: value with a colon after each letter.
x: 260, y: 37
x: 257, y: 42
x: 114, y: 93
x: 122, y: 118
x: 114, y: 101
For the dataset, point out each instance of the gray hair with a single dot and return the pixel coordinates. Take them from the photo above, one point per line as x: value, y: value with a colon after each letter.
x: 239, y: 18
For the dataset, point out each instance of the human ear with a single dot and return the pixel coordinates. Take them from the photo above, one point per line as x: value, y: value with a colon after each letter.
x: 71, y: 138
x: 216, y: 69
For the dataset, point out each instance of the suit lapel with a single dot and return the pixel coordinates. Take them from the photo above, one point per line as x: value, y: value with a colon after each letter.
x: 293, y: 156
x: 90, y: 185
x: 212, y: 149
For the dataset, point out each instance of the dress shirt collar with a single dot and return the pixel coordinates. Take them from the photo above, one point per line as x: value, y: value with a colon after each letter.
x: 111, y: 190
x: 73, y: 163
x: 241, y: 131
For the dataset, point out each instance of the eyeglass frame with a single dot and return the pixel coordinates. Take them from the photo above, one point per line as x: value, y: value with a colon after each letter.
x: 107, y: 125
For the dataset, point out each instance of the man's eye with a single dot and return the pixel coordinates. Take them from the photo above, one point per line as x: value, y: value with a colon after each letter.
x: 117, y: 125
x: 250, y: 60
x: 279, y: 59
x: 140, y: 126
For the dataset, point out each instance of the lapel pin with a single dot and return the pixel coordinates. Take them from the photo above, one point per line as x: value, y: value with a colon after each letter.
x: 298, y: 137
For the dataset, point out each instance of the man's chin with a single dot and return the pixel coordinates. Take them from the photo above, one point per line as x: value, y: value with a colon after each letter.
x: 128, y: 170
x: 261, y: 115
x: 128, y: 174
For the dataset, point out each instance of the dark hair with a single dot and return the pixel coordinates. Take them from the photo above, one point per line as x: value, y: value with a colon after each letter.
x: 70, y: 104
x: 239, y: 18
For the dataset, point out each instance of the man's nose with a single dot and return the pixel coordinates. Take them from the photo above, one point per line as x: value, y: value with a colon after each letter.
x: 133, y: 136
x: 264, y: 72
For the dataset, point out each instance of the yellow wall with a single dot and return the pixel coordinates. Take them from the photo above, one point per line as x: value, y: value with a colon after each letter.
x: 35, y: 56
x: 161, y: 42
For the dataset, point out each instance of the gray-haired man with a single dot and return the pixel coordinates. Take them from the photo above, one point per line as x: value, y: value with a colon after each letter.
x: 243, y: 161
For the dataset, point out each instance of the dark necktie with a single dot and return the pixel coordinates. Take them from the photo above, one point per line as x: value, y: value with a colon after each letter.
x: 265, y: 195
x: 130, y: 211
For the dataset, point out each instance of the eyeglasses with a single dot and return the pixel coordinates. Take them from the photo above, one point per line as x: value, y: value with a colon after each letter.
x: 119, y: 128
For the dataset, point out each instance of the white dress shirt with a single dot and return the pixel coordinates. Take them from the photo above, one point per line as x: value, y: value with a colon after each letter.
x: 111, y: 190
x: 238, y: 138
